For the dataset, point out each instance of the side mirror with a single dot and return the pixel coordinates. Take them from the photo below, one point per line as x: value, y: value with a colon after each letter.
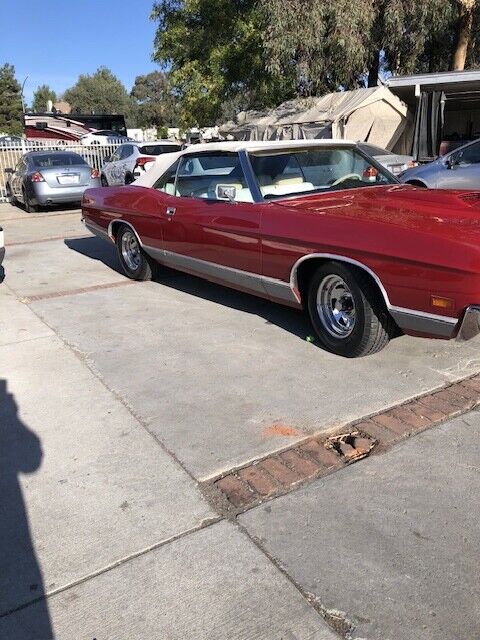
x: 452, y: 161
x: 9, y: 171
x: 225, y: 192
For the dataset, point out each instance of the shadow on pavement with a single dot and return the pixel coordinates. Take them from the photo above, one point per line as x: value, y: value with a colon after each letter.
x: 21, y: 579
x: 290, y: 320
x: 96, y: 249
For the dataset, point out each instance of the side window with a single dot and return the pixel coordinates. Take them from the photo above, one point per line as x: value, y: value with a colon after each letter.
x: 470, y: 155
x: 127, y: 151
x: 116, y: 155
x: 167, y: 182
x: 212, y: 176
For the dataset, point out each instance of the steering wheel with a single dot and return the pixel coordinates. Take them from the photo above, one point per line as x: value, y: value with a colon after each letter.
x: 349, y: 176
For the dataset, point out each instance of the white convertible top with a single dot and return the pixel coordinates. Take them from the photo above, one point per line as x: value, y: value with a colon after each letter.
x: 166, y: 160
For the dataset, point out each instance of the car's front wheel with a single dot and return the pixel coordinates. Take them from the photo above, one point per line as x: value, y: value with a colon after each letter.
x: 347, y: 311
x: 103, y: 181
x: 135, y: 263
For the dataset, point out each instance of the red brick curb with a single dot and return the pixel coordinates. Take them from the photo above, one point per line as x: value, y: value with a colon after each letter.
x: 74, y: 292
x: 281, y: 472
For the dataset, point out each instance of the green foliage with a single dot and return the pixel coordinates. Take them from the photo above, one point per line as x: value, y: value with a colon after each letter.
x: 215, y: 51
x: 41, y: 97
x: 11, y: 113
x: 157, y: 104
x: 101, y: 92
x: 230, y: 55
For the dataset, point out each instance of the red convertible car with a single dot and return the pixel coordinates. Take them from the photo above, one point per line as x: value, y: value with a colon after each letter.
x: 312, y: 224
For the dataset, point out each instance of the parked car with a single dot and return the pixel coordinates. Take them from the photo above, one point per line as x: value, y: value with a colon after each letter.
x: 15, y: 142
x: 11, y: 141
x: 43, y: 178
x: 394, y: 162
x: 2, y: 246
x: 309, y: 224
x: 132, y: 159
x: 459, y: 169
x: 103, y: 137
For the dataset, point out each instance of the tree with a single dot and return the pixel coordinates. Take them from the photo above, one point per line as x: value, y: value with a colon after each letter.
x: 215, y: 52
x: 41, y: 97
x: 463, y: 32
x: 310, y: 43
x: 100, y: 93
x: 11, y: 110
x: 157, y: 104
x: 396, y: 36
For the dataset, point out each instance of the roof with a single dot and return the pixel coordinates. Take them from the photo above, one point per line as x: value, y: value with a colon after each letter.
x: 433, y: 78
x: 448, y: 81
x: 166, y: 160
x: 234, y: 146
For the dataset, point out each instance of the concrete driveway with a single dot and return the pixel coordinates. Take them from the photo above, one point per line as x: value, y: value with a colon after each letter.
x: 119, y: 398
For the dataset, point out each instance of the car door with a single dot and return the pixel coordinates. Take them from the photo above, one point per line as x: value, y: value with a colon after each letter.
x: 211, y: 225
x: 461, y: 169
x: 111, y: 167
x: 123, y: 164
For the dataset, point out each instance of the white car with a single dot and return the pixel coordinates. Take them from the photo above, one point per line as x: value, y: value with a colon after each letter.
x: 102, y: 137
x: 394, y: 162
x: 132, y: 159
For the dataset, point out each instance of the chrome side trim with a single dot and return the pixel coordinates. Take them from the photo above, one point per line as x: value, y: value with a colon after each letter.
x: 96, y: 230
x: 428, y: 323
x: 110, y: 230
x: 470, y: 325
x: 253, y: 282
x: 333, y: 256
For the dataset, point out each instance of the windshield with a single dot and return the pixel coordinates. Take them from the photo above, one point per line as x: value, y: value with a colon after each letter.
x: 322, y: 169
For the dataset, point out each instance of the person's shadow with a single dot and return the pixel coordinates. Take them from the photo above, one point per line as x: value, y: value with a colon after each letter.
x: 21, y: 580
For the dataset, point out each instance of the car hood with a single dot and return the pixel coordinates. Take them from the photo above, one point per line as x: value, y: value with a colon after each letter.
x: 399, y: 206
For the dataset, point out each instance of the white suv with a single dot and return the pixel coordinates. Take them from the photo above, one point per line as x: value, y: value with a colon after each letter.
x: 133, y: 158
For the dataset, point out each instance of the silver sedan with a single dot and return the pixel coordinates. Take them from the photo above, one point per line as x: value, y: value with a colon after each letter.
x: 43, y: 178
x: 459, y: 169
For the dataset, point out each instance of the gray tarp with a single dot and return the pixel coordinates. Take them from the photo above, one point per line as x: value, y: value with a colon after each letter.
x: 374, y: 115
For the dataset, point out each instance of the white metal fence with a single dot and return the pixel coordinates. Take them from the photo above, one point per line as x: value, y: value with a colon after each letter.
x: 94, y: 154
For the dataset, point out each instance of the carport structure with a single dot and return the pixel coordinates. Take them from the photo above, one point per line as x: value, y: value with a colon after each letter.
x: 445, y: 107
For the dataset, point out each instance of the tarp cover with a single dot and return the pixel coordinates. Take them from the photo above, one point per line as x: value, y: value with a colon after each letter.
x: 375, y: 115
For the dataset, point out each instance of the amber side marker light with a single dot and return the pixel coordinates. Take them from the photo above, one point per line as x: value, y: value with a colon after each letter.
x: 442, y: 303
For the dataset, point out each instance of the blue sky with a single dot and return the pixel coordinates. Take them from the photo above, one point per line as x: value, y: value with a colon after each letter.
x: 53, y: 42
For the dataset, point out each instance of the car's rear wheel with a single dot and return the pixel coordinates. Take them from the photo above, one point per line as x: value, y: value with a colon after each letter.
x: 103, y: 181
x: 347, y: 311
x: 135, y: 263
x: 129, y: 178
x: 28, y: 206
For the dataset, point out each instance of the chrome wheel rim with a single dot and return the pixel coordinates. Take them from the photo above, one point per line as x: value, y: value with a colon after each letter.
x: 131, y: 250
x: 336, y: 306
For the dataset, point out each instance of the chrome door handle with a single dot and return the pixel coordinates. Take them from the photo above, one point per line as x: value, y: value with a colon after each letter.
x: 171, y: 211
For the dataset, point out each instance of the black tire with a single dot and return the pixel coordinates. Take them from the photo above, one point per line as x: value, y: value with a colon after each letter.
x: 362, y: 326
x: 127, y: 241
x: 129, y: 178
x: 103, y: 181
x: 10, y: 197
x: 27, y: 205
